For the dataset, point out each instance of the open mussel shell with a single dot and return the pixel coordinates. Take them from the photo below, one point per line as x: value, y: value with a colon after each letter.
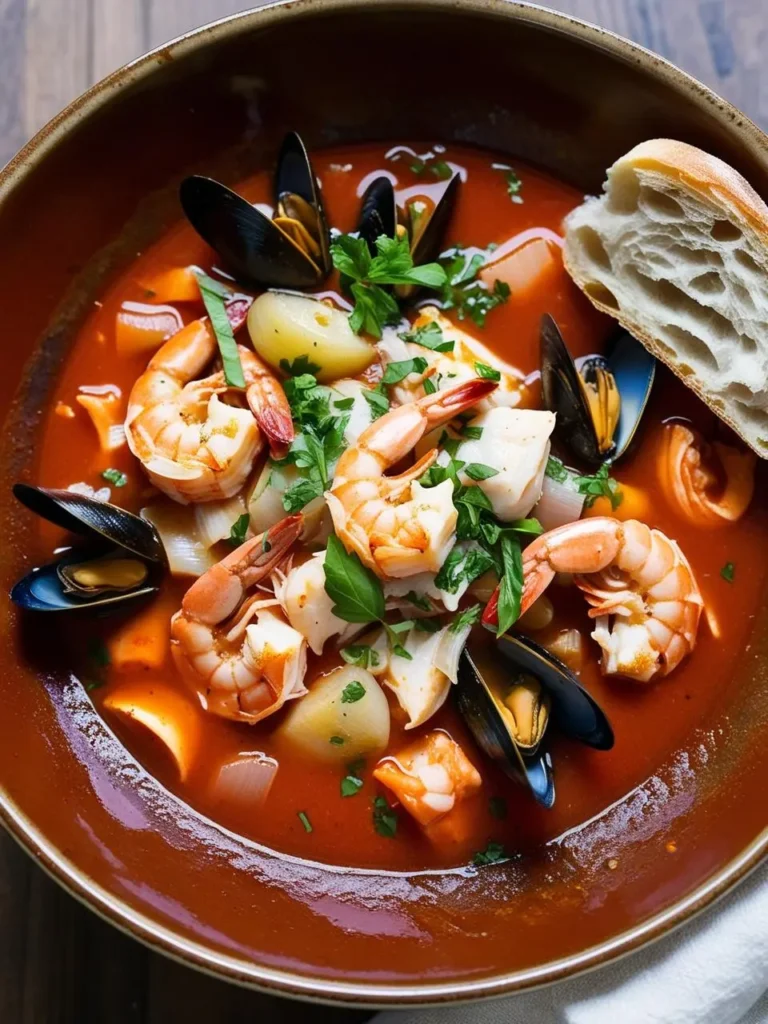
x: 123, y: 557
x: 378, y: 212
x: 574, y: 710
x: 427, y: 227
x: 599, y: 400
x: 298, y: 196
x: 478, y: 707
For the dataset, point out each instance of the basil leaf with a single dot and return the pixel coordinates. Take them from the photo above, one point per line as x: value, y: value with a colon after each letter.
x: 377, y: 400
x: 487, y: 372
x: 511, y: 586
x: 479, y: 471
x: 300, y: 494
x: 217, y: 312
x: 351, y: 785
x: 355, y: 590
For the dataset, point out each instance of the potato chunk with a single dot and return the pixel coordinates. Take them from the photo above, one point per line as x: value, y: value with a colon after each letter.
x: 345, y: 715
x: 285, y: 327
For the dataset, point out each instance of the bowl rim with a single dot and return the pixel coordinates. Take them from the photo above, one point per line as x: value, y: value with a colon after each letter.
x: 163, y: 939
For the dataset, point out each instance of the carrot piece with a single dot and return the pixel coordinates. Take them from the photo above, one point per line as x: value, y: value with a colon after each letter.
x: 140, y: 328
x: 526, y: 270
x: 179, y: 284
x: 143, y: 642
x: 107, y: 417
x: 159, y: 711
x: 635, y: 504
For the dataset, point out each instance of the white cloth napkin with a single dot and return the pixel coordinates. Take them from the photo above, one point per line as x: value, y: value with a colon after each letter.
x: 712, y: 971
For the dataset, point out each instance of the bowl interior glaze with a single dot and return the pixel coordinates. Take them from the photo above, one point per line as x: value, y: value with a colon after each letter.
x: 74, y: 205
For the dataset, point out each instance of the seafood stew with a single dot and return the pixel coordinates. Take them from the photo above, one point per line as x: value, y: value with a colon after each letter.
x: 417, y: 505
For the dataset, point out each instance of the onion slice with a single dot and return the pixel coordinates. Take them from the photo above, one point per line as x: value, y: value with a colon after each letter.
x: 186, y: 554
x: 246, y: 779
x: 560, y: 503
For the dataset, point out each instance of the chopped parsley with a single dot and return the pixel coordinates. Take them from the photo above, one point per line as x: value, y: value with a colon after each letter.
x: 300, y: 365
x: 514, y: 184
x: 351, y: 784
x: 352, y: 692
x: 239, y: 529
x: 439, y: 169
x: 398, y: 371
x: 479, y: 471
x: 463, y: 292
x: 494, y: 853
x: 305, y: 821
x: 600, y: 485
x: 429, y: 336
x: 367, y: 277
x: 467, y: 617
x: 361, y: 655
x: 377, y: 400
x: 728, y: 572
x: 556, y: 470
x: 487, y: 372
x: 115, y: 477
x: 384, y: 818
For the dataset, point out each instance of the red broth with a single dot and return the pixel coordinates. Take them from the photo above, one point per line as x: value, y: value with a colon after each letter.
x: 649, y: 721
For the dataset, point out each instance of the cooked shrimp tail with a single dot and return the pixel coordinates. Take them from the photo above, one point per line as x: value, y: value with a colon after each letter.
x: 267, y: 402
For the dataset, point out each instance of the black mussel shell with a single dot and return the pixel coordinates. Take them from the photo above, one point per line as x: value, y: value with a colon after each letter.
x: 574, y: 710
x: 427, y: 243
x: 378, y: 212
x: 481, y: 715
x: 251, y: 246
x: 44, y: 590
x: 634, y: 369
x: 294, y: 176
x: 97, y: 520
x: 563, y: 394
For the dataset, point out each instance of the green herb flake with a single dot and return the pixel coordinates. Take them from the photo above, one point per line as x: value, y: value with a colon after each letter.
x: 494, y: 853
x: 352, y: 692
x: 511, y: 586
x: 429, y: 336
x: 514, y: 184
x: 305, y: 821
x: 463, y: 292
x: 115, y: 477
x: 487, y: 372
x: 471, y: 433
x: 384, y: 818
x: 556, y: 470
x: 600, y: 485
x: 240, y: 529
x: 337, y: 741
x: 728, y: 572
x: 467, y: 617
x: 398, y: 371
x: 355, y: 590
x: 479, y: 471
x: 299, y: 366
x: 343, y: 404
x: 419, y: 601
x: 377, y: 400
x: 429, y: 386
x: 361, y: 655
x: 497, y: 805
x: 217, y: 312
x: 351, y: 785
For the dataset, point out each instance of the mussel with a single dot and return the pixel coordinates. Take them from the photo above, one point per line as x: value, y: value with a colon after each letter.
x: 290, y: 249
x: 599, y: 400
x: 422, y: 219
x: 509, y: 714
x: 121, y: 560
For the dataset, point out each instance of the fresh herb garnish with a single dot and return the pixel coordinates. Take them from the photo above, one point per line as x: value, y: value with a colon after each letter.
x: 367, y: 276
x: 487, y: 372
x: 337, y: 741
x: 463, y: 292
x: 343, y: 404
x: 492, y: 854
x: 384, y: 818
x: 377, y: 400
x: 351, y: 784
x: 395, y: 372
x: 728, y: 572
x: 300, y: 365
x: 429, y: 386
x: 479, y: 471
x: 429, y: 336
x: 514, y: 184
x: 211, y: 293
x: 304, y: 821
x: 471, y: 433
x: 600, y: 485
x: 239, y: 529
x: 497, y: 805
x: 463, y: 566
x: 556, y: 470
x: 467, y: 617
x: 438, y: 168
x: 355, y: 590
x: 511, y: 586
x: 115, y: 477
x: 352, y: 692
x: 361, y: 655
x: 419, y: 601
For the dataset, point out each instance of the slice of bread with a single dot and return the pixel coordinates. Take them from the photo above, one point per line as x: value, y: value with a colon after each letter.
x: 676, y: 249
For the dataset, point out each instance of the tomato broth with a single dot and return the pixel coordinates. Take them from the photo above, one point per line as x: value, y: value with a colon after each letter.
x: 306, y: 814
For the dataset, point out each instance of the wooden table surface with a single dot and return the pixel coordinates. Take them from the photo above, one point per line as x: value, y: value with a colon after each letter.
x: 59, y: 964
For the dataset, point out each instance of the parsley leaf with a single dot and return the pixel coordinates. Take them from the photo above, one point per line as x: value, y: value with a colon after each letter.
x: 467, y: 617
x: 377, y: 400
x: 463, y: 292
x: 239, y: 530
x: 479, y: 471
x: 351, y: 784
x: 419, y: 601
x: 429, y: 336
x: 514, y: 184
x: 384, y: 818
x: 556, y: 470
x: 352, y: 692
x: 304, y: 821
x: 397, y: 371
x: 374, y: 309
x: 511, y: 586
x: 728, y: 572
x: 300, y: 494
x: 487, y: 372
x: 115, y: 477
x: 600, y: 485
x: 462, y: 566
x: 361, y: 655
x: 299, y: 366
x: 355, y: 590
x: 492, y: 854
x: 343, y: 404
x: 351, y: 256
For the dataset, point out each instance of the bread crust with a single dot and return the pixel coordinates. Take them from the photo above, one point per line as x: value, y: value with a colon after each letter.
x: 719, y: 184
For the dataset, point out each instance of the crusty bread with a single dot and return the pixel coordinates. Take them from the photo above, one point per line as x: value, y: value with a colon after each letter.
x: 676, y: 249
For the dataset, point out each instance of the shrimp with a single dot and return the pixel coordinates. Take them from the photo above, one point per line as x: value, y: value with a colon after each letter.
x: 397, y: 527
x: 240, y: 670
x: 193, y: 446
x: 429, y: 777
x: 628, y: 572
